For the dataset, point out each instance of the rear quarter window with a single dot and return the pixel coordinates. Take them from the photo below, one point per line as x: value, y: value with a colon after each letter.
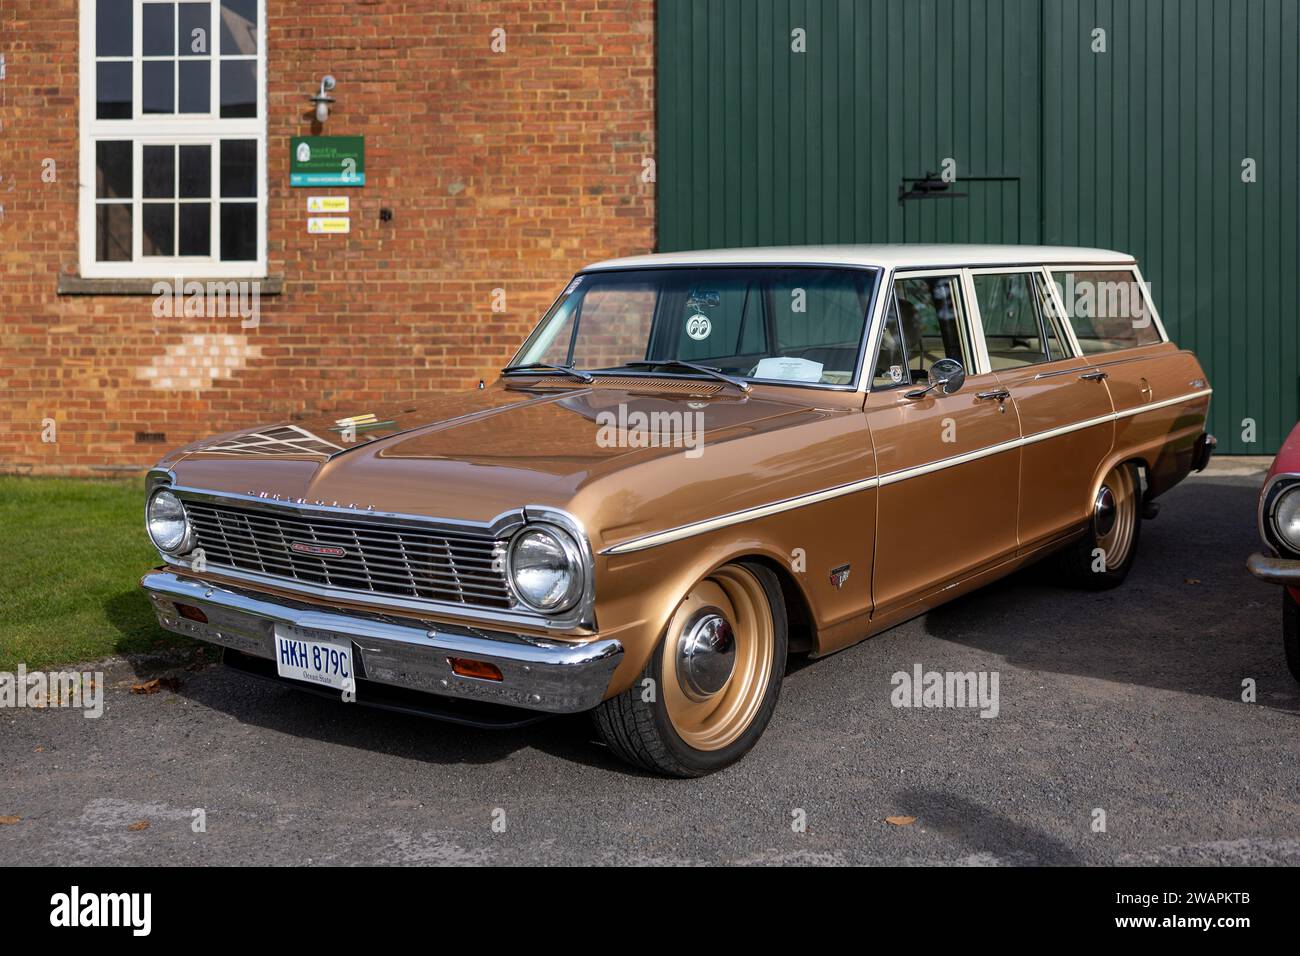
x: 1106, y: 309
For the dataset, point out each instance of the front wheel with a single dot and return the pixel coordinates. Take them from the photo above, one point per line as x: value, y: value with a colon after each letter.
x: 1291, y: 632
x: 1103, y: 557
x: 711, y: 686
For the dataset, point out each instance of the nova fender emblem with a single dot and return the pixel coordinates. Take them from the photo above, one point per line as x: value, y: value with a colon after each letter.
x: 839, y: 576
x: 320, y: 550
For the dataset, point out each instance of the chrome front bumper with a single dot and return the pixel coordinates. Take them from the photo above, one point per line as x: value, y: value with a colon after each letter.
x: 1274, y: 570
x: 537, y: 674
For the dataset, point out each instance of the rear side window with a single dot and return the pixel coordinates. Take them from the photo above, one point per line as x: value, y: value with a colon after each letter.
x: 1019, y: 329
x: 1106, y: 309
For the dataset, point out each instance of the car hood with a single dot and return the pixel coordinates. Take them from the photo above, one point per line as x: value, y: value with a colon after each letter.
x: 473, y: 456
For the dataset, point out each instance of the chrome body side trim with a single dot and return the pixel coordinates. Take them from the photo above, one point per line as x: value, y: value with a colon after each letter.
x: 889, y: 478
x: 538, y: 674
x: 736, y: 517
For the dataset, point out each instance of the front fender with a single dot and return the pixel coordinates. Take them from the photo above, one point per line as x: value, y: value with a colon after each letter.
x: 638, y: 591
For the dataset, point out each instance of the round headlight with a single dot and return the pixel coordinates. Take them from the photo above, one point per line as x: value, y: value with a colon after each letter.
x: 169, y: 528
x: 1286, y: 517
x: 545, y: 569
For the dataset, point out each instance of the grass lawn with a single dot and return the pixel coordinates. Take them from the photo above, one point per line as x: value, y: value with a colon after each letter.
x: 71, y: 556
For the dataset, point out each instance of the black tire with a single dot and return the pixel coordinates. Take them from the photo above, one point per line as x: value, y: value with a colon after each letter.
x: 1291, y: 632
x: 1078, y: 564
x: 642, y: 733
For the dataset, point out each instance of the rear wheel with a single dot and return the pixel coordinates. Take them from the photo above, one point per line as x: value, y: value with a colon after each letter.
x: 711, y: 686
x: 1103, y: 557
x: 1291, y: 632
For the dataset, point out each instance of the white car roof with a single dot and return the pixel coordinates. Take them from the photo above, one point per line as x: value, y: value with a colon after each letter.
x: 889, y: 256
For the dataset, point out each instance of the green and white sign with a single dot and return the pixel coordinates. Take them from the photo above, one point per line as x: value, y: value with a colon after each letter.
x: 327, y: 161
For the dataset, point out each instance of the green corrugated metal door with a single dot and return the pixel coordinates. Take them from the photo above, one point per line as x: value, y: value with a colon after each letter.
x: 1144, y: 150
x: 1138, y: 147
x: 761, y: 145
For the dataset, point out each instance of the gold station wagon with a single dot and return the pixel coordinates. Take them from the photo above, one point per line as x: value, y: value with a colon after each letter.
x: 697, y: 464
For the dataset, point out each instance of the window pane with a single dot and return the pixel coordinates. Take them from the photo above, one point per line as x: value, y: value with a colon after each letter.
x: 158, y: 83
x: 112, y: 90
x: 113, y: 28
x: 1009, y: 314
x: 1051, y: 322
x: 238, y: 88
x: 113, y: 169
x: 931, y: 321
x: 891, y: 362
x: 725, y: 306
x: 678, y: 314
x: 1106, y: 309
x: 238, y: 27
x: 196, y: 225
x: 622, y: 316
x: 193, y: 22
x: 159, y: 229
x: 159, y: 172
x: 196, y: 86
x: 158, y: 29
x: 819, y: 318
x: 238, y: 231
x: 238, y: 167
x: 196, y: 172
x: 113, y: 232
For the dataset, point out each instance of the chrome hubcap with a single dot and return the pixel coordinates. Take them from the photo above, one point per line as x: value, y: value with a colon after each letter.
x: 706, y: 653
x: 1103, y: 512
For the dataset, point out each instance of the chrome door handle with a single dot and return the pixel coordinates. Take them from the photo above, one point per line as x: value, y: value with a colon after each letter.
x: 1001, y: 394
x: 1093, y: 376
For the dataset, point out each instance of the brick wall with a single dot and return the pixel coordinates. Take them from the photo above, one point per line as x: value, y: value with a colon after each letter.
x: 503, y: 170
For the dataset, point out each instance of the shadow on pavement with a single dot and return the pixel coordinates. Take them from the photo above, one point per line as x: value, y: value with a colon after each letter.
x: 1189, y: 618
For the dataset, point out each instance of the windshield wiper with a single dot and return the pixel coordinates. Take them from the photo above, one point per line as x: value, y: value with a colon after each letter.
x: 580, y: 375
x: 708, y: 370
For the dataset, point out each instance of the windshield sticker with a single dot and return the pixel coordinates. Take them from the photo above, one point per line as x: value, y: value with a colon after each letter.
x: 790, y: 369
x: 577, y: 281
x: 896, y: 373
x: 698, y: 327
x: 703, y: 300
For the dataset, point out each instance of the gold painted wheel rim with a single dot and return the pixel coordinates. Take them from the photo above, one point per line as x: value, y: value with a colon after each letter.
x: 1117, y: 542
x: 720, y: 719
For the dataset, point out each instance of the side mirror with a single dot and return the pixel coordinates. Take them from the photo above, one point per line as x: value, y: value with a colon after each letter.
x: 946, y: 374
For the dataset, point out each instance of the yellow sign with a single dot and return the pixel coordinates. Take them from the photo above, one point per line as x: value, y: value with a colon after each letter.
x: 329, y: 225
x: 328, y: 204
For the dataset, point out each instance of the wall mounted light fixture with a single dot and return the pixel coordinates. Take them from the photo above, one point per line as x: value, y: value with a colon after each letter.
x: 323, y: 99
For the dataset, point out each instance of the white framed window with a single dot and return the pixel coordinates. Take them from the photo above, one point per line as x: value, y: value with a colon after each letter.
x: 173, y: 138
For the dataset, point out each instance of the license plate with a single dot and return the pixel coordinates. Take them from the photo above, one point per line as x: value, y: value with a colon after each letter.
x: 314, y: 656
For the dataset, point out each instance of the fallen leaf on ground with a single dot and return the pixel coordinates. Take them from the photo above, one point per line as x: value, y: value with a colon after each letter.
x: 8, y: 821
x: 138, y: 826
x: 900, y: 821
x: 158, y: 683
x: 1191, y: 580
x: 38, y: 750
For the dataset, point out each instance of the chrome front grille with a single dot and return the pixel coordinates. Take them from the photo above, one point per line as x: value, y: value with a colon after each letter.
x: 376, y: 557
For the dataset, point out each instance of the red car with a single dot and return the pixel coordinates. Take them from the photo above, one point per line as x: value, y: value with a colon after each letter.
x: 1279, y: 526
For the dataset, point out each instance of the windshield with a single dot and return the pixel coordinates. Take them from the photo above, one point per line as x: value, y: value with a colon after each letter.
x: 777, y: 324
